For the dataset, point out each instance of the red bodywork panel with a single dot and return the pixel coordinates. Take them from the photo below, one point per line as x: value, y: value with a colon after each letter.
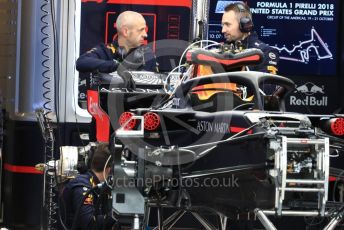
x: 102, y: 119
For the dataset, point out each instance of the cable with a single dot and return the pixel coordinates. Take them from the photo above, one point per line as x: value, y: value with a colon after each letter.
x: 50, y: 176
x: 62, y: 221
x: 56, y: 59
x: 105, y: 166
x: 168, y: 76
x: 164, y: 100
x: 173, y: 92
x: 211, y: 45
x: 75, y: 219
x: 46, y: 58
x: 184, y: 77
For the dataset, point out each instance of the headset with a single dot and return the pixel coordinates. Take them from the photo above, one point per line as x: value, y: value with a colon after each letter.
x: 245, y: 22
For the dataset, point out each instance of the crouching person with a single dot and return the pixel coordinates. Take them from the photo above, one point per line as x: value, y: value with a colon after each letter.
x: 86, y: 198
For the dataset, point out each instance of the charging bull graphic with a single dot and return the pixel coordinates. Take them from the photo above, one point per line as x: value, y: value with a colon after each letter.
x: 310, y: 88
x: 313, y: 95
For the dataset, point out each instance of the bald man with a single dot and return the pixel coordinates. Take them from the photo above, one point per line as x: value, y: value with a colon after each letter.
x: 127, y: 52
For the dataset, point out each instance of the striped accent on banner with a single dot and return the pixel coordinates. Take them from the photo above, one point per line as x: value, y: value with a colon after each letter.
x: 182, y: 3
x: 21, y: 169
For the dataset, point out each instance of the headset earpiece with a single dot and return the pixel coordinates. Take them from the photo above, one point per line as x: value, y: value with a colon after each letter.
x: 245, y: 22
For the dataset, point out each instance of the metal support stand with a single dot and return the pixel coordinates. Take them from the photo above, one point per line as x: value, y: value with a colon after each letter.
x: 333, y: 223
x: 262, y: 216
x: 223, y: 221
x: 172, y: 220
x: 285, y: 146
x: 203, y: 222
x: 145, y: 221
x: 335, y: 220
x: 264, y: 220
x: 160, y: 219
x: 168, y: 223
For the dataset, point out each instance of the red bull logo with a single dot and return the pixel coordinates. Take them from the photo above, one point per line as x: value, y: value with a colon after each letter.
x: 309, y: 100
x: 310, y: 88
x: 311, y: 96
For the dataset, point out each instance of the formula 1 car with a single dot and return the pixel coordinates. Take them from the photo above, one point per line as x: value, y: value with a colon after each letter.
x: 219, y: 143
